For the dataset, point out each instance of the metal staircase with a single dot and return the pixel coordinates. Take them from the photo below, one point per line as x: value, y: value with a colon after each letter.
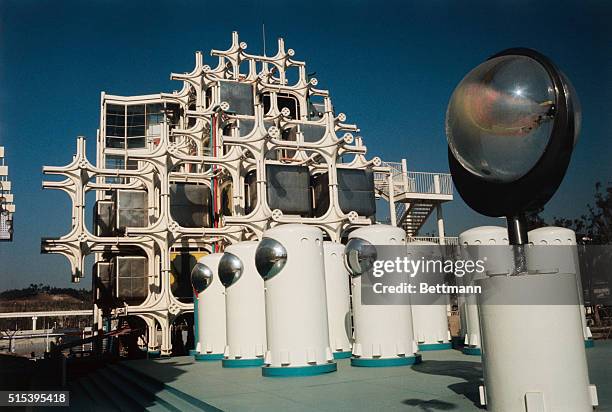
x: 413, y: 195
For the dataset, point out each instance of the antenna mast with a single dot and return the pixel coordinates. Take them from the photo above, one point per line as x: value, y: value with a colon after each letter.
x: 263, y: 35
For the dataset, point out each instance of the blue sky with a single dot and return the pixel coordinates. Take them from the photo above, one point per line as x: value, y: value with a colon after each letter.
x: 390, y: 66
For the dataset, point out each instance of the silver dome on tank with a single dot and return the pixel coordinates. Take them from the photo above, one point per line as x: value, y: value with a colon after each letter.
x: 230, y: 269
x: 201, y: 277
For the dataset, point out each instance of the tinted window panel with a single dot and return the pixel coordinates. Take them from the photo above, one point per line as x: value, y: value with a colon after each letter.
x: 137, y: 109
x: 245, y: 126
x: 136, y: 120
x: 312, y: 132
x: 115, y: 162
x: 136, y: 131
x: 117, y: 131
x: 173, y: 113
x: 115, y: 142
x: 239, y: 96
x: 290, y: 102
x: 115, y: 109
x: 155, y: 108
x: 115, y: 120
x: 136, y: 143
x: 265, y: 99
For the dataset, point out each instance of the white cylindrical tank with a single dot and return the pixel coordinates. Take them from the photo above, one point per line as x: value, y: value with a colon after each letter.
x: 196, y: 335
x: 533, y: 354
x: 211, y: 308
x: 429, y: 311
x: 245, y: 307
x: 338, y: 300
x: 290, y: 260
x: 461, y: 306
x: 383, y: 333
x: 561, y: 258
x: 478, y: 236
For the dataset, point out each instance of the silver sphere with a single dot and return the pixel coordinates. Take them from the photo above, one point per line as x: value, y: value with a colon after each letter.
x: 270, y: 258
x: 500, y: 117
x: 230, y: 269
x: 201, y: 277
x: 360, y: 256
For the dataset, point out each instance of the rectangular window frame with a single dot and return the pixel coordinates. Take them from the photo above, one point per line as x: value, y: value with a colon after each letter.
x: 131, y: 129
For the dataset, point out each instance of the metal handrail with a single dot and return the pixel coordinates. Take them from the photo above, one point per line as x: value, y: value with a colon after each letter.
x: 448, y: 240
x: 400, y: 209
x: 414, y: 182
x: 427, y: 182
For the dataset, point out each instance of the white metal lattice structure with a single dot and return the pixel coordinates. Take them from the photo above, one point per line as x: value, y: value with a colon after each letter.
x: 7, y: 205
x: 246, y: 145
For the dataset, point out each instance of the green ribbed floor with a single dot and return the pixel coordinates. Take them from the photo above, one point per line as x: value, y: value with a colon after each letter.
x: 445, y: 381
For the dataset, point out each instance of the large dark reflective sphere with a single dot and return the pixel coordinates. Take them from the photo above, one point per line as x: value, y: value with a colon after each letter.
x: 230, y: 269
x: 360, y: 256
x: 500, y: 117
x: 201, y: 277
x: 270, y: 258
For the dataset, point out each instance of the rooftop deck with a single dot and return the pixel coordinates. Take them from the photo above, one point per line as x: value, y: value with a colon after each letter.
x: 445, y: 381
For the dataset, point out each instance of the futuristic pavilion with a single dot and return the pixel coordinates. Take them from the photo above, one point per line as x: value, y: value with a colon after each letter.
x: 241, y: 210
x: 247, y: 144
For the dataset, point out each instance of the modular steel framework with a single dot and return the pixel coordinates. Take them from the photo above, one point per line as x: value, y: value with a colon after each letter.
x: 246, y: 145
x: 7, y: 205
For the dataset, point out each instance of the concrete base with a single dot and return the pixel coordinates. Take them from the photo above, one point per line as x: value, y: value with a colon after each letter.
x: 208, y: 356
x: 471, y: 351
x: 381, y: 363
x: 298, y: 370
x: 343, y: 355
x: 434, y: 346
x: 193, y: 352
x: 445, y: 380
x: 242, y: 363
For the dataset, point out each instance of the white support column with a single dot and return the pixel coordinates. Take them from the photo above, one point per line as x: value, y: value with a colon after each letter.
x: 440, y: 219
x: 405, y: 175
x: 439, y: 215
x: 34, y: 322
x: 166, y: 343
x: 152, y: 338
x: 392, y: 201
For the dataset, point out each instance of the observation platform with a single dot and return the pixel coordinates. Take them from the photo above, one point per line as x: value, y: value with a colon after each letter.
x: 445, y: 381
x: 413, y: 195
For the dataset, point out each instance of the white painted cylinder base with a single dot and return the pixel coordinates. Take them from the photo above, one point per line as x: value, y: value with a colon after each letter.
x: 471, y: 339
x: 533, y: 355
x: 480, y: 236
x: 561, y: 257
x: 196, y: 335
x: 211, y: 315
x: 296, y: 305
x: 246, y: 312
x: 431, y: 327
x: 338, y: 300
x: 384, y: 334
x: 429, y: 311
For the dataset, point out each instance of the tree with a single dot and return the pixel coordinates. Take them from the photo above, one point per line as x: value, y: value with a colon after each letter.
x: 596, y: 226
x: 535, y: 219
